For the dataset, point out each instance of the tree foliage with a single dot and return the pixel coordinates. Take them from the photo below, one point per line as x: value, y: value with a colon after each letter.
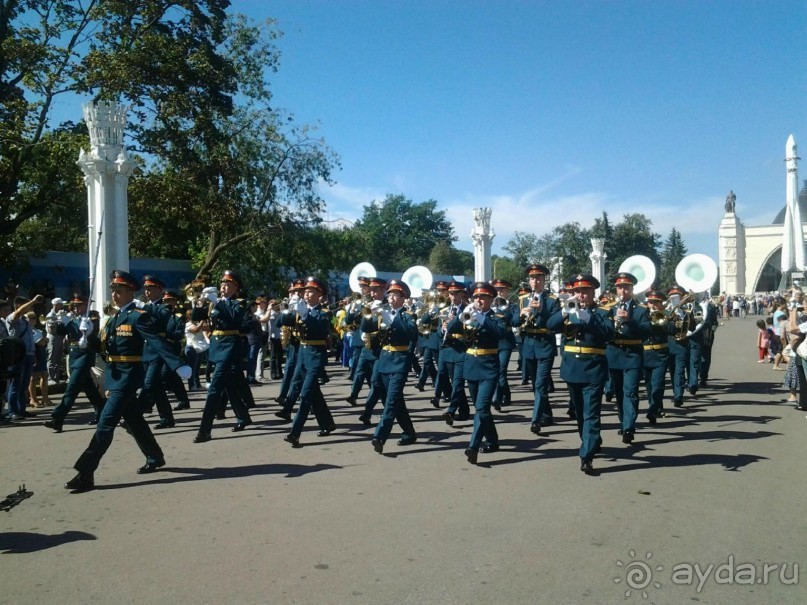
x: 447, y: 259
x: 218, y: 163
x: 632, y: 236
x: 672, y: 253
x: 398, y: 233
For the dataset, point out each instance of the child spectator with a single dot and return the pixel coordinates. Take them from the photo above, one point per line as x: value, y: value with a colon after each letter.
x: 774, y: 343
x: 763, y: 340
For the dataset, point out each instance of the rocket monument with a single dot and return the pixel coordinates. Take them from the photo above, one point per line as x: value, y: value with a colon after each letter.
x: 793, y: 235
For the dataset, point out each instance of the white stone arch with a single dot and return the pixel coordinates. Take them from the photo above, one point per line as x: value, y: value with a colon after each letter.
x: 761, y: 269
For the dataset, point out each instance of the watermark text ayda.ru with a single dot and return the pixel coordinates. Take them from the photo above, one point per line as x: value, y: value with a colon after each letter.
x: 643, y: 576
x: 731, y: 572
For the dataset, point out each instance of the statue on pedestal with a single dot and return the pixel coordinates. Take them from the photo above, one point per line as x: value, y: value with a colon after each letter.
x: 730, y: 202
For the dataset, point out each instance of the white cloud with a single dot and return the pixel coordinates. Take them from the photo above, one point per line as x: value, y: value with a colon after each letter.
x: 537, y: 211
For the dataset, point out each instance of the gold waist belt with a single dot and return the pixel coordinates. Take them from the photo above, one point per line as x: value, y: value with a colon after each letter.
x: 226, y: 332
x: 627, y: 342
x: 536, y: 331
x: 655, y: 347
x: 312, y: 343
x: 584, y: 350
x: 478, y: 352
x: 124, y: 358
x: 455, y: 335
x: 397, y: 349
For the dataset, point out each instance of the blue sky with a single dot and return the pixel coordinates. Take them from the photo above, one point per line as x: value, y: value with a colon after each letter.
x: 551, y: 112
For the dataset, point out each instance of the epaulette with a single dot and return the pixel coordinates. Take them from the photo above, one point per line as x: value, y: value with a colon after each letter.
x: 643, y: 305
x: 180, y: 315
x: 607, y: 306
x: 139, y: 310
x: 553, y: 296
x: 520, y: 296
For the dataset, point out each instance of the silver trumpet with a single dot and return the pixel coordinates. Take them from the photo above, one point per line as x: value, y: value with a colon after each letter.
x: 618, y: 321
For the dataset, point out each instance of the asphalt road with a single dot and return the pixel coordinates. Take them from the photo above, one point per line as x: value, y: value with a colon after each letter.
x: 705, y: 507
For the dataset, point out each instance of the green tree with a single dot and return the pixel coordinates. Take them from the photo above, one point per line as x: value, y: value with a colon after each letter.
x: 51, y: 176
x: 447, y: 259
x: 504, y: 268
x: 214, y: 154
x: 524, y: 248
x: 672, y: 253
x: 399, y: 233
x: 632, y: 236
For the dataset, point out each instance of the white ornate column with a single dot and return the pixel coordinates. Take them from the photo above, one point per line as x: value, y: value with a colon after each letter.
x: 482, y: 236
x: 731, y: 238
x: 106, y: 174
x: 597, y: 257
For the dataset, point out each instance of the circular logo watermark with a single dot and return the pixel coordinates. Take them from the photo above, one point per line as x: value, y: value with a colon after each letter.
x: 638, y: 574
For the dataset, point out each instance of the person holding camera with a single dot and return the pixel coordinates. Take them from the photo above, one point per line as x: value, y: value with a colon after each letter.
x: 19, y: 327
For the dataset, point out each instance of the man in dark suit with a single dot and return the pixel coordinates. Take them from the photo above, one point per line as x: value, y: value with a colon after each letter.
x: 81, y: 349
x: 625, y: 353
x: 229, y: 322
x: 124, y: 338
x: 584, y: 367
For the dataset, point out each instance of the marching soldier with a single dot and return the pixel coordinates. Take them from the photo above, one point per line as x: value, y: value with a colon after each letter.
x: 483, y: 332
x: 584, y: 367
x: 153, y: 391
x: 291, y: 343
x: 679, y: 354
x: 369, y: 355
x: 314, y: 326
x: 625, y: 353
x: 124, y: 338
x: 396, y: 330
x: 442, y: 381
x: 174, y: 333
x: 452, y: 355
x: 429, y: 341
x: 229, y: 322
x: 352, y: 319
x: 538, y: 345
x: 508, y: 315
x: 82, y: 347
x: 656, y: 358
x: 707, y: 331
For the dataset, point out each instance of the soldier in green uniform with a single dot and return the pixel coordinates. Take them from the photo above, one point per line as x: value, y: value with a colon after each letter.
x: 229, y: 322
x: 625, y: 353
x: 482, y: 332
x: 314, y: 326
x: 82, y: 348
x: 538, y: 345
x: 395, y: 329
x: 174, y: 333
x: 656, y: 357
x: 153, y: 392
x: 586, y: 330
x: 123, y: 340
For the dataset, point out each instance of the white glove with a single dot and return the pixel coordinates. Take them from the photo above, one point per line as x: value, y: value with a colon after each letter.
x: 184, y: 372
x: 210, y: 293
x: 139, y: 303
x: 583, y: 315
x: 573, y: 316
x: 376, y: 303
x: 85, y: 325
x: 294, y: 300
x: 82, y: 342
x: 477, y: 318
x: 302, y: 308
x: 386, y: 318
x: 564, y: 311
x: 690, y: 333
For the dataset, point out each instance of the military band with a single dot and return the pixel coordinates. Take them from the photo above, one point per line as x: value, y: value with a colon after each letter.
x: 466, y: 348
